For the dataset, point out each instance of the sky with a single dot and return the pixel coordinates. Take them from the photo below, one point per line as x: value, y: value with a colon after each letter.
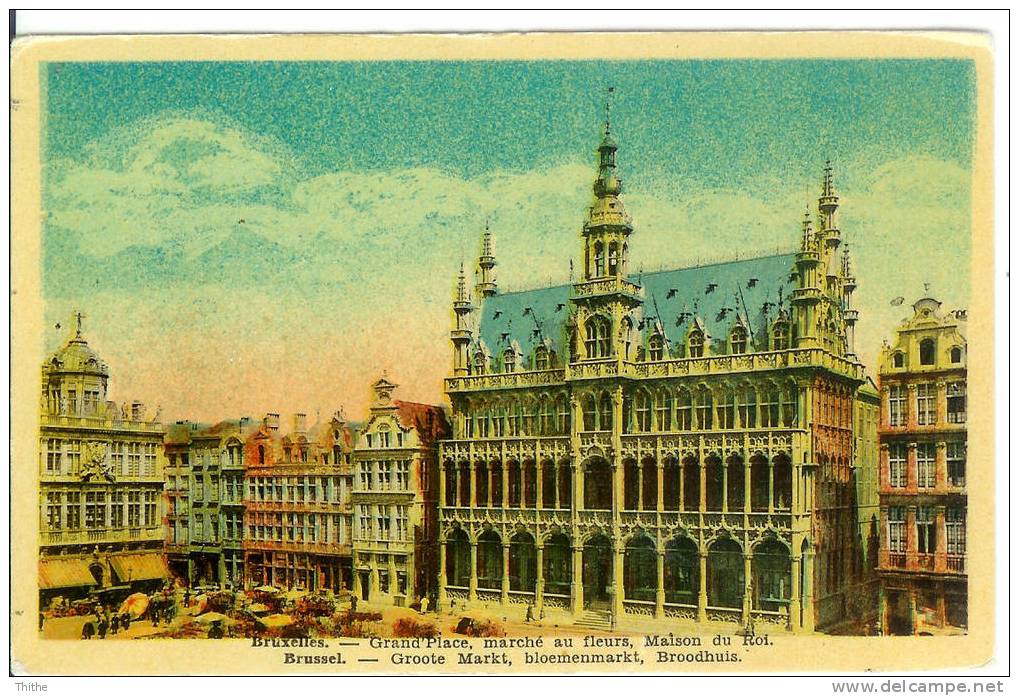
x: 252, y: 237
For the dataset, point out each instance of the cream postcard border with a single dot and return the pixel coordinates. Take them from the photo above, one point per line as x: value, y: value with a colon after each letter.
x: 812, y: 653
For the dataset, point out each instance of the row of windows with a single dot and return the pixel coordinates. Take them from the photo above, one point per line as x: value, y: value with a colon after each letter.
x: 928, y: 354
x: 100, y: 509
x: 383, y: 475
x: 381, y: 523
x: 296, y: 489
x: 383, y: 438
x: 545, y: 417
x: 297, y: 527
x: 926, y: 530
x: 926, y: 404
x: 127, y: 459
x: 926, y: 464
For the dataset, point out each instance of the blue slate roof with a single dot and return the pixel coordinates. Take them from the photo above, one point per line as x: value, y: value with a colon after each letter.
x: 503, y: 318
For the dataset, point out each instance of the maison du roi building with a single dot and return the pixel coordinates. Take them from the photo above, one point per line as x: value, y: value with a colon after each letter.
x: 922, y: 379
x: 100, y: 481
x: 694, y: 445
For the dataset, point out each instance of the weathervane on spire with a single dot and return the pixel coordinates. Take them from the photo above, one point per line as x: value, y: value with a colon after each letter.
x: 608, y: 108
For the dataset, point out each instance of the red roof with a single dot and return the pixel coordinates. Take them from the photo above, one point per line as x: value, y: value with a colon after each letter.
x: 429, y: 421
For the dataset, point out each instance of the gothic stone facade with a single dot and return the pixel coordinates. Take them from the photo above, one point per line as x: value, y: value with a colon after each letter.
x: 100, y: 481
x: 394, y: 499
x: 661, y: 446
x: 922, y: 377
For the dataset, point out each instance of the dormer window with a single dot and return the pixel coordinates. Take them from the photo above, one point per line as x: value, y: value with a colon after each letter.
x: 541, y: 361
x: 780, y: 336
x: 509, y: 360
x: 656, y: 348
x: 898, y: 360
x: 927, y: 351
x: 479, y: 362
x: 738, y: 340
x: 956, y: 355
x: 597, y: 342
x: 613, y: 258
x: 695, y: 344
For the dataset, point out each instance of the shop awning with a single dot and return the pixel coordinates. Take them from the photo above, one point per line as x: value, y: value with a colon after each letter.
x: 139, y: 566
x: 64, y: 572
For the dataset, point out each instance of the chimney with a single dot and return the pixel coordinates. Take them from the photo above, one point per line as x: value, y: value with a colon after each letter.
x: 297, y: 423
x: 340, y: 416
x: 137, y: 410
x: 272, y: 420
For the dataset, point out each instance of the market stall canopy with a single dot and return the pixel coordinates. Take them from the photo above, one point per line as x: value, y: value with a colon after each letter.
x: 64, y: 572
x: 214, y: 617
x: 276, y: 620
x: 139, y: 566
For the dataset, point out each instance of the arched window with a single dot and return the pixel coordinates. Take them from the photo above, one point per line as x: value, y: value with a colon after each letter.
x: 490, y: 561
x: 691, y: 484
x: 458, y: 559
x: 682, y: 571
x: 927, y: 351
x: 509, y: 360
x: 705, y: 409
x: 738, y: 340
x: 558, y: 565
x: 605, y: 413
x: 898, y: 360
x: 597, y: 485
x: 599, y: 260
x: 695, y: 344
x: 642, y: 411
x: 727, y: 408
x: 656, y: 348
x: 613, y: 258
x: 759, y: 483
x: 748, y: 407
x: 725, y: 574
x: 780, y: 336
x: 713, y: 482
x: 663, y: 410
x: 772, y: 575
x: 261, y: 455
x: 598, y: 342
x: 563, y: 420
x: 684, y: 410
x: 522, y: 563
x: 640, y: 569
x: 956, y: 354
x: 479, y: 362
x: 541, y: 361
x: 590, y: 413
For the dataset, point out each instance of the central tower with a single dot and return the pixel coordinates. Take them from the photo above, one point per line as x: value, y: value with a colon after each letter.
x: 604, y: 301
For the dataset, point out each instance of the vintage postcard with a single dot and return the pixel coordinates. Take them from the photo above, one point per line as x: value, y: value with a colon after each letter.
x: 503, y: 354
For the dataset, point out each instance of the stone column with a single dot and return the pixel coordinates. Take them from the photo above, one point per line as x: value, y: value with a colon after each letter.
x: 442, y: 603
x: 577, y: 479
x: 911, y: 542
x: 702, y: 592
x: 747, y: 483
x: 555, y: 483
x: 808, y: 592
x: 660, y: 593
x: 617, y: 579
x: 682, y: 485
x: 539, y: 580
x: 640, y: 483
x: 577, y: 581
x: 882, y: 610
x: 911, y: 405
x: 794, y: 596
x: 539, y: 469
x: 748, y: 582
x: 912, y: 611
x: 660, y: 480
x: 725, y: 486
x: 771, y: 485
x: 504, y: 598
x: 941, y: 550
x: 703, y: 506
x: 391, y: 569
x: 472, y: 587
x: 472, y: 468
x: 505, y: 483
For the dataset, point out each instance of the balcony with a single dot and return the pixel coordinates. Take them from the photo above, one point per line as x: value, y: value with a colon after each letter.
x: 332, y: 548
x: 102, y: 536
x: 505, y: 380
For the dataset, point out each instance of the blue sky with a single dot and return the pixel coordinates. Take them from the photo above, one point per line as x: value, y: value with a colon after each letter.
x: 361, y: 185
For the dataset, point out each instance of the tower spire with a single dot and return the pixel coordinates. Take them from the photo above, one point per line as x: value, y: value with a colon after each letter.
x: 486, y: 286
